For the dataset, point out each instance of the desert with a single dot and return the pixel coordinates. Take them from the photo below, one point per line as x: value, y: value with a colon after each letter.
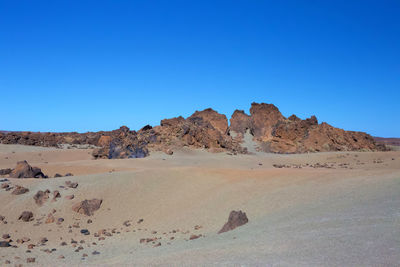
x: 188, y: 204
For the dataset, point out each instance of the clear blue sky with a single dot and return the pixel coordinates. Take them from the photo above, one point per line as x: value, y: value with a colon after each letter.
x: 97, y: 65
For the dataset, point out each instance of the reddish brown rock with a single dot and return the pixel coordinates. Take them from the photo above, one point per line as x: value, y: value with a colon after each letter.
x: 87, y: 207
x: 217, y: 120
x: 236, y: 219
x: 192, y: 237
x: 240, y: 122
x: 50, y: 218
x: 104, y: 141
x: 264, y: 117
x: 24, y: 170
x: 19, y: 190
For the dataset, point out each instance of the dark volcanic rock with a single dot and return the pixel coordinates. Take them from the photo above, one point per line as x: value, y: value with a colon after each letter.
x: 24, y: 170
x: 236, y: 219
x: 4, y: 244
x: 87, y: 207
x: 26, y: 216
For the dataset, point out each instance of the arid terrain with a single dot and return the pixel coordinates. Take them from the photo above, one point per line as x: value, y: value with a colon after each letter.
x: 261, y: 190
x: 318, y: 209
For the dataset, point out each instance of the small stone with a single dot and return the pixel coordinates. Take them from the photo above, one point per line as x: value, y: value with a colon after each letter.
x: 26, y: 216
x: 85, y: 232
x: 30, y: 260
x: 5, y: 236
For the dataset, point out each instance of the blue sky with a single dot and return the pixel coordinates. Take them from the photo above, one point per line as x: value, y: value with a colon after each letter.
x: 97, y: 65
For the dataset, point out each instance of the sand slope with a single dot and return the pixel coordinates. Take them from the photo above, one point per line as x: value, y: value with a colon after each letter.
x: 297, y: 217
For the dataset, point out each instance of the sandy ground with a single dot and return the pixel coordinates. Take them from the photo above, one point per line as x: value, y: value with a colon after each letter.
x: 347, y: 215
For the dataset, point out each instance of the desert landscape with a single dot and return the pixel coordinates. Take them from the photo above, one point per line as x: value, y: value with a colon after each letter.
x: 257, y: 190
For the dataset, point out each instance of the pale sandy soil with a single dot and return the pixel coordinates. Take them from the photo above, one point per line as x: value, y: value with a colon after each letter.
x: 297, y: 217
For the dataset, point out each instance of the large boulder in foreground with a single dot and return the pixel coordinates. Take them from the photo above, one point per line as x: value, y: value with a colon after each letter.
x: 24, y: 170
x: 87, y: 207
x: 236, y: 219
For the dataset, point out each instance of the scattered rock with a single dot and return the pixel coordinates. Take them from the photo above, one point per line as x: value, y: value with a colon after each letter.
x: 236, y: 219
x: 26, y: 216
x: 19, y: 190
x: 24, y: 170
x: 85, y: 232
x: 71, y: 184
x: 57, y: 175
x: 41, y: 196
x: 69, y: 174
x: 4, y: 244
x: 50, y: 218
x: 4, y: 186
x: 5, y: 236
x: 194, y: 237
x: 69, y: 197
x: 5, y: 171
x: 140, y: 221
x: 87, y: 207
x: 30, y: 260
x: 95, y: 253
x: 56, y: 194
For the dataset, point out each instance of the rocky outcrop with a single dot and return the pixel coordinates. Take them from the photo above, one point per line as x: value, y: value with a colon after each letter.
x: 87, y: 207
x: 24, y: 170
x: 240, y: 122
x: 264, y: 117
x: 209, y: 130
x: 236, y: 219
x: 198, y: 131
x: 218, y: 121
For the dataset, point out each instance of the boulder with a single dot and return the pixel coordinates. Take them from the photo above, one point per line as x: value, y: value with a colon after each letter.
x: 236, y: 219
x: 87, y: 207
x: 24, y: 170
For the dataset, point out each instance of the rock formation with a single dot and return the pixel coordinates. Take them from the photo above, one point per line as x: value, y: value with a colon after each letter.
x: 209, y: 130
